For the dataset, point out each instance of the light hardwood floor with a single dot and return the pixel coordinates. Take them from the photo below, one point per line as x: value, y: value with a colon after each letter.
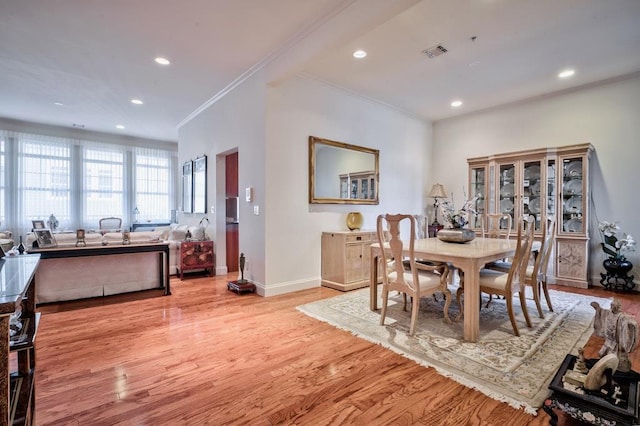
x: 205, y: 355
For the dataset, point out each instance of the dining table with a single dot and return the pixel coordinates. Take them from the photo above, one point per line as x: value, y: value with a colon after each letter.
x: 468, y: 257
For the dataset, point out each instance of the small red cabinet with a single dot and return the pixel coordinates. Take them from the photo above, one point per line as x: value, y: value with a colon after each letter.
x: 196, y: 255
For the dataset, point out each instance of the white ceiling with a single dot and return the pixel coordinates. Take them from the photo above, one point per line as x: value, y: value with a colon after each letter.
x: 94, y: 56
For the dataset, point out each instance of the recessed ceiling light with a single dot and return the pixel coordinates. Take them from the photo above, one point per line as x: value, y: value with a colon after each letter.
x: 162, y: 61
x: 359, y: 54
x: 136, y: 101
x: 456, y: 104
x: 119, y: 126
x: 566, y: 73
x: 58, y: 103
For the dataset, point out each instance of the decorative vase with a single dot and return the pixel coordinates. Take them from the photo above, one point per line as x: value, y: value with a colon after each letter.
x: 617, y: 267
x: 354, y: 221
x: 456, y: 235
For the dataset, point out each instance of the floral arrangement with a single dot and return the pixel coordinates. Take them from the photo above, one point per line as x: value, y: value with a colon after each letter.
x: 457, y: 218
x: 613, y: 246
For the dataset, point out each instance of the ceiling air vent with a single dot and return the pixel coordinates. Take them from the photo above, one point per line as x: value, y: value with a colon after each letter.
x: 434, y: 51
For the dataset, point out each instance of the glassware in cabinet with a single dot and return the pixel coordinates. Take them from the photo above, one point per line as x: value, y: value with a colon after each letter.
x: 533, y: 190
x: 572, y: 195
x: 507, y: 189
x: 477, y: 189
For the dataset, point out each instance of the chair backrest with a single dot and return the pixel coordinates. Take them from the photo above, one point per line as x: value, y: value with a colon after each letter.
x: 388, y: 230
x: 422, y: 226
x: 498, y: 225
x: 518, y: 270
x: 549, y: 232
x: 110, y: 223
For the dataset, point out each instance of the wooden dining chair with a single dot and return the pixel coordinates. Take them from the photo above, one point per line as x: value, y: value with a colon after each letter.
x: 420, y: 280
x: 496, y: 225
x: 536, y: 274
x: 512, y: 282
x: 107, y: 224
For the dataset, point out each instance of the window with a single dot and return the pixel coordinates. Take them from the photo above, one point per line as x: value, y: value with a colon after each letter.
x: 153, y: 184
x: 2, y: 181
x: 81, y: 181
x: 44, y: 179
x: 103, y: 180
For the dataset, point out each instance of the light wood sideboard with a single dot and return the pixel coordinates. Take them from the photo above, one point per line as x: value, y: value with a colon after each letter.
x: 345, y: 259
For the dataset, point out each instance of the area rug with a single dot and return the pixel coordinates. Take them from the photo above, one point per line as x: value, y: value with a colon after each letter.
x: 515, y: 370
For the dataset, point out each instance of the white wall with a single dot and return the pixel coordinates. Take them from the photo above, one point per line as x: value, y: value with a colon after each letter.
x: 234, y: 123
x: 606, y: 115
x: 300, y: 108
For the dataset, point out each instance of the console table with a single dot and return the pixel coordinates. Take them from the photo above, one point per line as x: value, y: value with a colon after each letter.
x: 123, y: 279
x: 17, y: 292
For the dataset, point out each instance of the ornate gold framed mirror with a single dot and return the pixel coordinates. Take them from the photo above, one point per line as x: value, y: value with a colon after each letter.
x: 341, y: 173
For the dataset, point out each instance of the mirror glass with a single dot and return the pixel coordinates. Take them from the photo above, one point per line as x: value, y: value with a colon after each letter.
x: 200, y: 185
x: 187, y: 186
x: 340, y: 173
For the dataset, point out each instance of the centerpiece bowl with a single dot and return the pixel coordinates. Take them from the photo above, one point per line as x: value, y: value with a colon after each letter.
x: 456, y: 235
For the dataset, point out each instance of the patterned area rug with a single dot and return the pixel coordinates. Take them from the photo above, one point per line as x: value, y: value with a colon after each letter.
x: 515, y: 370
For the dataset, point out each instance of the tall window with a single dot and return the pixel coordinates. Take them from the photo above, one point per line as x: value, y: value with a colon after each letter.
x: 81, y: 181
x: 153, y: 183
x: 2, y: 181
x: 44, y: 179
x: 103, y: 180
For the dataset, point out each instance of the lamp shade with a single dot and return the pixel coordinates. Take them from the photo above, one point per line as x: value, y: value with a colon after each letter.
x: 437, y: 191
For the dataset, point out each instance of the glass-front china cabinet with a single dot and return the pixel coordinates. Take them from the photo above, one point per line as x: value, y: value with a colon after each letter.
x: 546, y: 183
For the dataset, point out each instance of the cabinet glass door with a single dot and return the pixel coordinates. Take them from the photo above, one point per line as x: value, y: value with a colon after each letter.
x: 551, y: 189
x: 571, y: 198
x: 507, y: 190
x: 532, y: 191
x: 478, y: 188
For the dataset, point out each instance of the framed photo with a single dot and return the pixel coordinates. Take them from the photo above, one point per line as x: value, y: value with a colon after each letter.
x: 45, y: 238
x: 80, y: 242
x: 37, y: 224
x: 187, y: 187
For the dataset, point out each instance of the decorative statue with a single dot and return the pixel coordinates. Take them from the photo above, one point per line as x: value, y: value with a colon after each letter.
x: 620, y: 332
x: 242, y: 260
x: 52, y: 223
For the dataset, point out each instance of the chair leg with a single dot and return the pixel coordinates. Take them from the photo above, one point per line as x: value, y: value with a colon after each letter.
x: 512, y: 317
x: 536, y: 297
x: 459, y: 293
x: 523, y: 304
x: 546, y: 294
x: 415, y: 305
x: 447, y: 301
x: 489, y: 301
x: 385, y: 299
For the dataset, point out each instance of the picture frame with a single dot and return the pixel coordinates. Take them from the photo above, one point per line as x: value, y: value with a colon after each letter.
x: 45, y: 238
x: 37, y: 224
x: 187, y: 187
x: 200, y: 185
x: 80, y: 241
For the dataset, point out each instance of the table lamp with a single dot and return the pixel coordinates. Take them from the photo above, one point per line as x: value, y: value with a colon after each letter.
x: 437, y: 192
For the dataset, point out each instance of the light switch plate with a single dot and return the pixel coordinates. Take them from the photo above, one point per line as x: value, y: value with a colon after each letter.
x: 256, y: 210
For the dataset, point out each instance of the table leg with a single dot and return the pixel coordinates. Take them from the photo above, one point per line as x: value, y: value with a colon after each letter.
x: 471, y: 301
x: 373, y: 282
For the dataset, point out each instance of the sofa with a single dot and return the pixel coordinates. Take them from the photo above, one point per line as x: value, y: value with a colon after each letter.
x: 6, y: 240
x: 82, y: 277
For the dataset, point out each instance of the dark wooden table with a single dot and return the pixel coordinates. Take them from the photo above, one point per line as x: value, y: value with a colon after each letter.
x: 589, y: 408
